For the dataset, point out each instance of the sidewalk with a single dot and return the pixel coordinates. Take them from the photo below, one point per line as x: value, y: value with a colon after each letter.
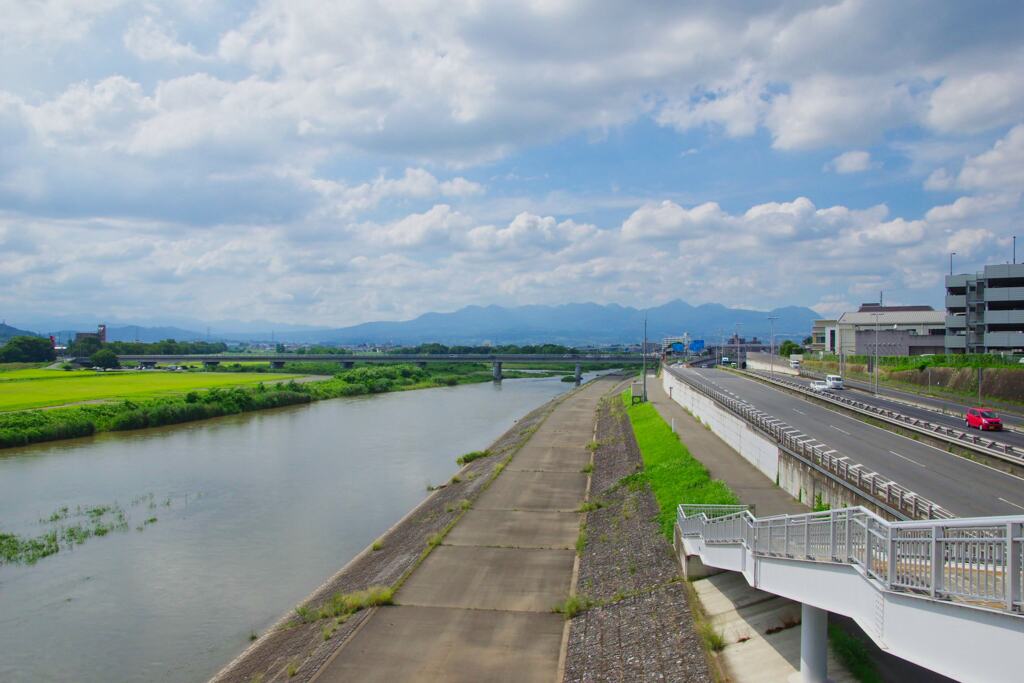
x: 479, y: 607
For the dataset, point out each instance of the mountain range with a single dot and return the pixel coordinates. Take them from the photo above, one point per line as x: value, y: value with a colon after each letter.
x: 570, y: 324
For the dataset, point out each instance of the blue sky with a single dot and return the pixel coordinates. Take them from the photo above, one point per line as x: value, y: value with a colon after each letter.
x: 328, y: 163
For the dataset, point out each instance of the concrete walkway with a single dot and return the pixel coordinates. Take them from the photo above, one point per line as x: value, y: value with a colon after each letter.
x: 479, y: 607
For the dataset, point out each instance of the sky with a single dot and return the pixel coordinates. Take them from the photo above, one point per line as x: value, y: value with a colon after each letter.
x: 329, y: 163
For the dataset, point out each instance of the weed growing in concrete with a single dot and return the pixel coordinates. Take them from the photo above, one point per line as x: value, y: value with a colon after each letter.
x: 471, y: 456
x: 820, y: 505
x: 377, y: 545
x: 253, y: 636
x: 456, y: 479
x: 464, y: 504
x: 590, y: 506
x: 581, y: 541
x: 435, y: 540
x: 573, y: 605
x: 853, y: 653
x: 712, y: 638
x: 293, y: 668
x: 588, y: 468
x: 593, y: 446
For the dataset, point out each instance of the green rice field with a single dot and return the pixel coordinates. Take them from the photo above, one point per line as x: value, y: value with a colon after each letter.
x: 23, y: 389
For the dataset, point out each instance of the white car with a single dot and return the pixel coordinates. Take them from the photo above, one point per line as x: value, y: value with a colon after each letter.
x: 834, y: 381
x: 818, y: 386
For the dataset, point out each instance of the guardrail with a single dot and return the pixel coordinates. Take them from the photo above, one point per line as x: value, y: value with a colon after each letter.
x: 955, y: 436
x: 973, y: 562
x: 892, y: 495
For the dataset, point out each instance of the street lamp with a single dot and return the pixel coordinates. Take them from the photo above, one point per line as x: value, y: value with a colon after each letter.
x: 771, y: 346
x: 951, y: 255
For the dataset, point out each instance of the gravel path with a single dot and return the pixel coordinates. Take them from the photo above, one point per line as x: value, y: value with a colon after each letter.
x: 641, y: 628
x: 303, y: 648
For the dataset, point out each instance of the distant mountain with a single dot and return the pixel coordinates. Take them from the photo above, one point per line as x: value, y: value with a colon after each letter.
x: 6, y: 332
x: 570, y: 324
x: 573, y: 324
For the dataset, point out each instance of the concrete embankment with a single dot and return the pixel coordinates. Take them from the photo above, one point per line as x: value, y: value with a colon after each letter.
x: 472, y: 604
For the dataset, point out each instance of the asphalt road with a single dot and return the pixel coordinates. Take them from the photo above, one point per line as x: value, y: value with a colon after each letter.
x: 932, y: 405
x: 1010, y: 437
x: 964, y: 487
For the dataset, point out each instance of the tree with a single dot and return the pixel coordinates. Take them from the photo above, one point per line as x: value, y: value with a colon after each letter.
x: 105, y: 358
x: 27, y: 350
x: 84, y: 346
x: 789, y: 347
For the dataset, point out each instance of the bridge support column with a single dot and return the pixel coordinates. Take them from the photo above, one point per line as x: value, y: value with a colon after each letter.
x: 496, y: 370
x: 211, y: 364
x: 277, y: 364
x: 347, y: 364
x: 813, y: 645
x: 579, y: 373
x: 147, y: 364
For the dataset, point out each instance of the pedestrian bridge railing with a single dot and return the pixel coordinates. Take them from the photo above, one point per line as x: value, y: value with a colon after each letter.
x: 943, y: 593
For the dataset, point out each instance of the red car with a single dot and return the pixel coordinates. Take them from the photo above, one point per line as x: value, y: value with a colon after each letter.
x: 983, y: 418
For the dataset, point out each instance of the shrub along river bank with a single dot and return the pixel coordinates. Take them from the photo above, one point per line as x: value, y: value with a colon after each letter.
x: 34, y: 426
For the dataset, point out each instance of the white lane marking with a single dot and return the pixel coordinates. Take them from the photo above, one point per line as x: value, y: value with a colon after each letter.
x: 1011, y: 503
x: 908, y: 459
x: 797, y: 410
x: 840, y: 430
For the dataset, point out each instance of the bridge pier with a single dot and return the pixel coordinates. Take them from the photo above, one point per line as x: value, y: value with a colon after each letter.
x: 277, y: 364
x: 579, y: 373
x: 347, y: 364
x: 496, y: 370
x: 211, y: 364
x: 813, y: 645
x: 147, y: 364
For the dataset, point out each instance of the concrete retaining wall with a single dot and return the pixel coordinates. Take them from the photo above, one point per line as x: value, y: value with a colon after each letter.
x: 762, y: 361
x: 759, y: 451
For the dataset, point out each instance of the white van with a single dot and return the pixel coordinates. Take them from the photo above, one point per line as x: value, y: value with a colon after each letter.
x: 795, y: 364
x: 833, y: 381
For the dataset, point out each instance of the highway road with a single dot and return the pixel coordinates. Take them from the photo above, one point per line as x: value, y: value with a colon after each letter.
x: 1011, y: 437
x: 1011, y: 417
x: 962, y: 486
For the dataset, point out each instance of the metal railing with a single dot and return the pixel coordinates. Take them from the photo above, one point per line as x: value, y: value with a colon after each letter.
x: 975, y: 562
x: 950, y: 434
x: 889, y: 493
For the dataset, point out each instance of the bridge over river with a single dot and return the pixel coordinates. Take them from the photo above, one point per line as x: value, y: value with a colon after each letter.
x: 347, y: 360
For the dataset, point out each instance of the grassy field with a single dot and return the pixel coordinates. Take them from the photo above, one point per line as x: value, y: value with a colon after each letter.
x: 23, y: 389
x: 674, y: 475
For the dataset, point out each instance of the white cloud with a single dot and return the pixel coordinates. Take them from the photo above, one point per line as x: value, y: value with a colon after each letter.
x: 975, y: 102
x: 854, y: 161
x: 827, y: 110
x: 970, y: 207
x: 1002, y: 167
x: 149, y: 41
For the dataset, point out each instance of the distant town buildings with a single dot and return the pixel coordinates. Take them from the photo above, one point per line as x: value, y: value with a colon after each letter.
x: 985, y: 311
x: 896, y: 330
x: 100, y: 335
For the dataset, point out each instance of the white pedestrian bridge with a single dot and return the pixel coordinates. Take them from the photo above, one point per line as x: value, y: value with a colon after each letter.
x: 944, y: 594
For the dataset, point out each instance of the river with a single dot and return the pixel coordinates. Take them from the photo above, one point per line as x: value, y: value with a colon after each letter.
x: 252, y: 513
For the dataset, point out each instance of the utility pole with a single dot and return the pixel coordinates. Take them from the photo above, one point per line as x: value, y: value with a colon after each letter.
x: 981, y: 373
x: 771, y: 346
x: 876, y: 315
x: 1014, y: 250
x: 951, y: 255
x: 736, y: 335
x: 644, y: 352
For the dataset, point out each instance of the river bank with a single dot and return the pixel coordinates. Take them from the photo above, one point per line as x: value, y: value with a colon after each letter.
x: 21, y: 428
x: 297, y: 646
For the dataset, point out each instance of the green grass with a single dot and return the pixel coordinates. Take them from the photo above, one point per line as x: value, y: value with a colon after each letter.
x: 673, y: 474
x: 711, y: 636
x: 341, y: 605
x: 853, y: 653
x: 471, y: 456
x: 572, y: 606
x: 29, y: 391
